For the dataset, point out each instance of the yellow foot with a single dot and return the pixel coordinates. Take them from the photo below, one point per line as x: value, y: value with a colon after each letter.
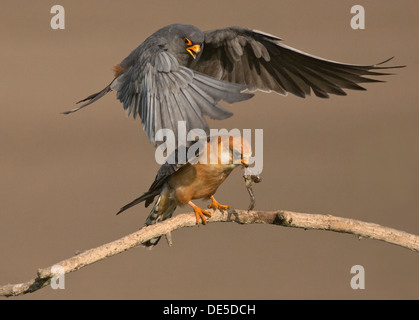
x: 199, y: 213
x: 216, y: 206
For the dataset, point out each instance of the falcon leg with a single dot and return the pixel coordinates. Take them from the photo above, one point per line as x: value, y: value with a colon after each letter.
x: 215, y: 205
x: 199, y: 213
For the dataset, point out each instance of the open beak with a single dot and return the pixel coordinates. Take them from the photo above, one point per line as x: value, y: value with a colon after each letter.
x: 245, y: 163
x: 194, y: 50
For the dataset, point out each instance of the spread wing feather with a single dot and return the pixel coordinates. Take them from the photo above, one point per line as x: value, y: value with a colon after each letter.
x: 163, y: 93
x: 262, y: 62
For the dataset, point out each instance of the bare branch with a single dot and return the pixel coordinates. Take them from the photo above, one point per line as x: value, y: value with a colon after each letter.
x: 281, y: 218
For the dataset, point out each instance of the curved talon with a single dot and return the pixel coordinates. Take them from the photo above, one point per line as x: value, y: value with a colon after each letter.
x: 216, y: 205
x: 199, y: 213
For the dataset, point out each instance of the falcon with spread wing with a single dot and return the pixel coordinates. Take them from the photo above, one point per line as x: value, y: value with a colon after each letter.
x: 180, y: 73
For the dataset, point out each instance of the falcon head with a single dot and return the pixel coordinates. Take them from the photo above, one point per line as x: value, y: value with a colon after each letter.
x: 185, y: 42
x: 231, y: 151
x: 240, y: 150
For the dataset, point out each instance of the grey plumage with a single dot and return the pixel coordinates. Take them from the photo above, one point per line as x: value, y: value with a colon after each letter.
x: 164, y: 83
x: 165, y: 171
x: 261, y: 62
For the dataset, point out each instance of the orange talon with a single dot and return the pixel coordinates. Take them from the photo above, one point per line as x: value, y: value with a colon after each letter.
x: 215, y: 205
x: 199, y: 213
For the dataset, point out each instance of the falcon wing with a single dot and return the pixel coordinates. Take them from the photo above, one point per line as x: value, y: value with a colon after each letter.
x: 261, y: 62
x: 162, y: 93
x: 165, y: 171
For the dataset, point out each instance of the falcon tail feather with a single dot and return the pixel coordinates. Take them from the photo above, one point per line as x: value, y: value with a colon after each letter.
x: 149, y: 195
x: 159, y: 214
x: 90, y: 99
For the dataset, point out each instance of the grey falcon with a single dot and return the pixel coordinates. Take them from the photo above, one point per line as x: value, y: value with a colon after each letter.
x: 180, y: 73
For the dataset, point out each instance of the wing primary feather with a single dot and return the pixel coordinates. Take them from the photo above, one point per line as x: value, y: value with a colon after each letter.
x: 208, y: 106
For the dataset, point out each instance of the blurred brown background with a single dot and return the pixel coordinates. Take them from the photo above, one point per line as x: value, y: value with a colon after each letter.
x: 62, y: 178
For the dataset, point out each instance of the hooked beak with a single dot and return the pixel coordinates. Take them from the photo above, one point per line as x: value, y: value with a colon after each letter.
x: 194, y: 50
x: 244, y: 163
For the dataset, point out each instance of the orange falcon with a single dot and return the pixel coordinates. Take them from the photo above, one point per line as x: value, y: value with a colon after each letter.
x: 177, y: 185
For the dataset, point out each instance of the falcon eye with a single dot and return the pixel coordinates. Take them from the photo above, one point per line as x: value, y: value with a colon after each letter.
x: 187, y: 41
